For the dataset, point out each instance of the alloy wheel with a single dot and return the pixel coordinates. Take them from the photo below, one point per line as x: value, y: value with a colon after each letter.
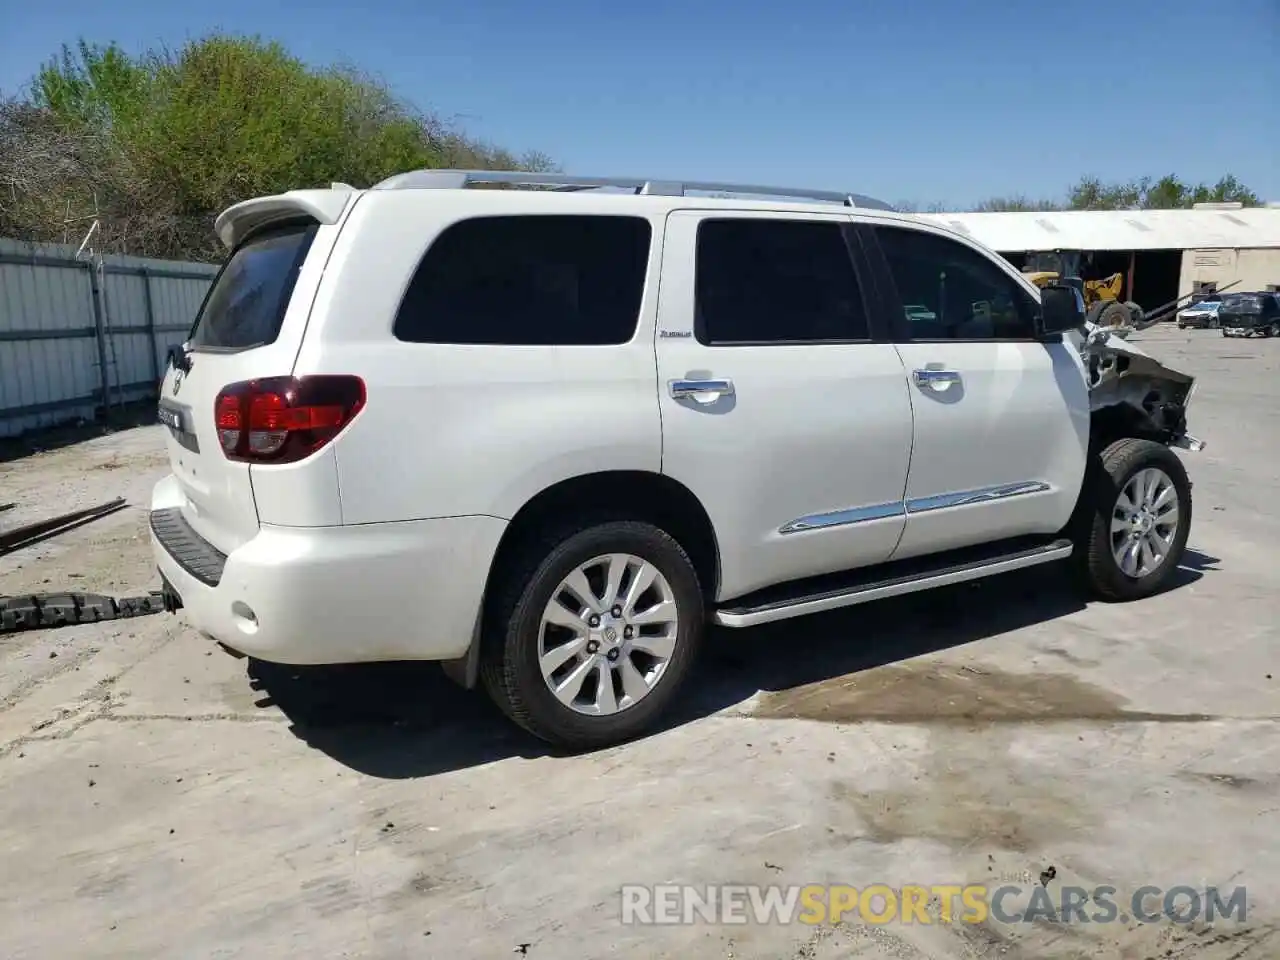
x: 1144, y: 522
x: 607, y: 634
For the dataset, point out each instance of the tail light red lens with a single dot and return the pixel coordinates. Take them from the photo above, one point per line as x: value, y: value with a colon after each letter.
x: 284, y: 419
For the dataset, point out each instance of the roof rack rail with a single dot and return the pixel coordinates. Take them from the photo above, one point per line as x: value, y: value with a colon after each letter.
x: 460, y: 179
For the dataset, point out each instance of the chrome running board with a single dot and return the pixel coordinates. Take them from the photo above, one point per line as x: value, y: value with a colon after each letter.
x: 888, y: 580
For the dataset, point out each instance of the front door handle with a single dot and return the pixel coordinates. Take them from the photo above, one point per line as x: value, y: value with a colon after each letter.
x: 935, y: 379
x: 703, y: 391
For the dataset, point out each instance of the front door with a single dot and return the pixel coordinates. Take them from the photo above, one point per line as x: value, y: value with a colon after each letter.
x: 1001, y: 420
x: 780, y: 411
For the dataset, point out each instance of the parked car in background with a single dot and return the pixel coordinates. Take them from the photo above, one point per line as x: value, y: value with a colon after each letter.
x: 1244, y: 314
x: 1201, y: 314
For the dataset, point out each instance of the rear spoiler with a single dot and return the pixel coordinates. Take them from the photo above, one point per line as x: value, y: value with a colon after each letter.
x: 323, y: 206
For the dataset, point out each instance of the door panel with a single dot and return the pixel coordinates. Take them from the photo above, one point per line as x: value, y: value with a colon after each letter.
x: 998, y: 452
x: 797, y: 450
x: 1001, y: 421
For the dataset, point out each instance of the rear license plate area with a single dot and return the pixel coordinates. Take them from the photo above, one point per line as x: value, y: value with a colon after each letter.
x: 177, y: 419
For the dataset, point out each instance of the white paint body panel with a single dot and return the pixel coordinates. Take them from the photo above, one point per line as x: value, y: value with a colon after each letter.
x: 1019, y: 414
x: 379, y: 546
x: 385, y: 591
x: 219, y: 494
x: 453, y: 430
x: 810, y: 429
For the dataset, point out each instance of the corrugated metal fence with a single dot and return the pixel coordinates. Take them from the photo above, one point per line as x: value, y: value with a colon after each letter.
x: 77, y: 336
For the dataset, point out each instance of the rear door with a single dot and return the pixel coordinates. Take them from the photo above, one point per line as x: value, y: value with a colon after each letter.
x: 783, y: 409
x: 249, y: 326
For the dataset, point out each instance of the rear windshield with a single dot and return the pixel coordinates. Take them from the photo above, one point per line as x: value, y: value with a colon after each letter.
x: 1243, y: 303
x: 245, y: 306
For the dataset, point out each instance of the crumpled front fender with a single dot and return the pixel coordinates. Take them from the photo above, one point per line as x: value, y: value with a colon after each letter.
x: 1135, y: 393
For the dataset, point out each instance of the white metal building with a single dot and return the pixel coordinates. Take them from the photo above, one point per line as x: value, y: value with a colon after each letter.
x: 1164, y: 253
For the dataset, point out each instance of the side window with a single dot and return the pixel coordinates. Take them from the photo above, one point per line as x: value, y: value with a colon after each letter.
x: 951, y: 292
x: 540, y: 280
x: 775, y: 281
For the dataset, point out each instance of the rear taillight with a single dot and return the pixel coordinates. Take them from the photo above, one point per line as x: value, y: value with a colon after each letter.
x: 283, y: 419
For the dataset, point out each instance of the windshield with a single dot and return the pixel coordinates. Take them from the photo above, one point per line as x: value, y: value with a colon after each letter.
x: 245, y: 306
x: 1064, y: 264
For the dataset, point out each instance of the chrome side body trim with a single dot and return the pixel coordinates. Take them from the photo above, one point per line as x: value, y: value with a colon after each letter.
x: 885, y: 511
x: 982, y: 495
x: 840, y: 518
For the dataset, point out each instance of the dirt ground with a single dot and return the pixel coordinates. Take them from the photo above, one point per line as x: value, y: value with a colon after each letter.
x: 160, y: 798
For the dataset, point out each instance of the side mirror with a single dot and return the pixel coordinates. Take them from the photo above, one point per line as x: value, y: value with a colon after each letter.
x: 1061, y: 309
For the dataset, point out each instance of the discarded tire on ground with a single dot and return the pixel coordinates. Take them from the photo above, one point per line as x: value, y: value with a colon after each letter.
x: 44, y: 610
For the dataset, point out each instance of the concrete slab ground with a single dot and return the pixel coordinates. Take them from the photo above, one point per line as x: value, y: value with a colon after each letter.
x: 159, y: 798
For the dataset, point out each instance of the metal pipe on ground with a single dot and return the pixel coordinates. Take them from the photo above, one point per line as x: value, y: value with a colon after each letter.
x: 31, y: 533
x: 1165, y: 310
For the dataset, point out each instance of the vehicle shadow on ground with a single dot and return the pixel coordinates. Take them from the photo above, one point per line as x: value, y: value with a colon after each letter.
x: 407, y: 720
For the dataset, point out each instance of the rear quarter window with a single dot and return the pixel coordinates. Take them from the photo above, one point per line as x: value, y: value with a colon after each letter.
x: 533, y: 280
x: 245, y: 306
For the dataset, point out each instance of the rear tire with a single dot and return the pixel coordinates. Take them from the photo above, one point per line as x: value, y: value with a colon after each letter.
x: 596, y: 648
x: 1136, y: 515
x: 1138, y: 317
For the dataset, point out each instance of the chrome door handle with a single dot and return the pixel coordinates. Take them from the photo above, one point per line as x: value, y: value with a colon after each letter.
x: 704, y: 391
x: 935, y: 379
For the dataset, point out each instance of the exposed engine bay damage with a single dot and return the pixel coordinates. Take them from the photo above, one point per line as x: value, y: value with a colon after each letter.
x: 1133, y: 394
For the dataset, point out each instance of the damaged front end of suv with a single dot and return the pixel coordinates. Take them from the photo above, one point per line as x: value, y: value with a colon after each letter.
x: 1134, y: 395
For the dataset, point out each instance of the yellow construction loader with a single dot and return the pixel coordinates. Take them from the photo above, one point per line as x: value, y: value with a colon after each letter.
x: 1101, y: 297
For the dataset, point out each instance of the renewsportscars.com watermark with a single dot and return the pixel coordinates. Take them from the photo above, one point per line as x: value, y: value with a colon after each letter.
x: 672, y: 904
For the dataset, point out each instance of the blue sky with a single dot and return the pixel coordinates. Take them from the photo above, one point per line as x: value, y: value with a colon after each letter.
x: 921, y: 100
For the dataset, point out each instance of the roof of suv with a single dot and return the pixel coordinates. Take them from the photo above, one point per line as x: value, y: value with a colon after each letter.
x: 565, y: 183
x: 326, y: 205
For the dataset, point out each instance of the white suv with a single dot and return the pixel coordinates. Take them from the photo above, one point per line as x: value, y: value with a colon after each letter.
x: 546, y: 435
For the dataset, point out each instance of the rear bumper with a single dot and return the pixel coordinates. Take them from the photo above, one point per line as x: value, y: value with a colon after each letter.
x: 312, y: 595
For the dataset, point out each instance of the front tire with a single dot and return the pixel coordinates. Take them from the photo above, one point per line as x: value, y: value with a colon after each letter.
x: 1137, y: 518
x: 1109, y: 313
x: 592, y: 633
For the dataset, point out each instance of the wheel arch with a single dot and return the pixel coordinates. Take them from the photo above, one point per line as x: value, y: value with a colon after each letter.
x: 1109, y: 424
x: 1093, y: 537
x: 618, y: 494
x: 1121, y: 421
x: 612, y: 494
